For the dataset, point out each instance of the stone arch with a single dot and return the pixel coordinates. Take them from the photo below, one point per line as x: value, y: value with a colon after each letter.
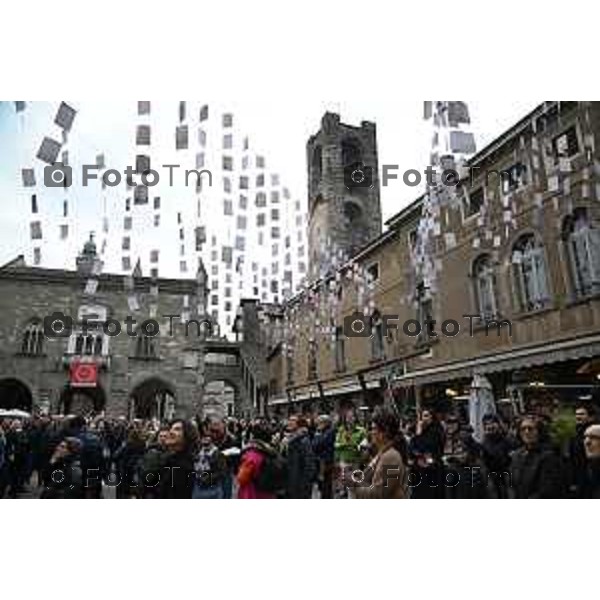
x: 82, y: 400
x: 15, y: 394
x: 151, y: 397
x: 228, y: 408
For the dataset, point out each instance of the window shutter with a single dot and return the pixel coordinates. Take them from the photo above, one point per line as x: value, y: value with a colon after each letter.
x: 593, y: 246
x: 539, y: 277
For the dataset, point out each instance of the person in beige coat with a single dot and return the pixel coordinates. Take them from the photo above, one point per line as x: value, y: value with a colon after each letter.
x: 387, y: 474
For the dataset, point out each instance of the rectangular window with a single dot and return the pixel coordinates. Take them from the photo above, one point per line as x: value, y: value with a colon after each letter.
x: 514, y: 178
x: 34, y: 205
x: 373, y: 273
x: 126, y: 263
x: 227, y: 163
x: 227, y: 120
x: 156, y: 220
x: 156, y: 202
x: 261, y: 199
x: 153, y: 256
x: 202, y: 137
x: 566, y: 144
x: 227, y: 207
x: 183, y: 266
x: 274, y: 196
x: 260, y: 219
x: 182, y: 111
x: 243, y: 202
x: 65, y: 208
x: 241, y: 222
x: 64, y: 232
x: 275, y: 233
x: 204, y: 113
x: 260, y: 162
x: 127, y: 223
x: 243, y: 182
x: 126, y: 244
x: 474, y: 203
x: 274, y: 179
x: 260, y: 180
x: 227, y: 142
x: 275, y: 214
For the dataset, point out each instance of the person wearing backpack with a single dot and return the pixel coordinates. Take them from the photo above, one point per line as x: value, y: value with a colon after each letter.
x: 261, y: 471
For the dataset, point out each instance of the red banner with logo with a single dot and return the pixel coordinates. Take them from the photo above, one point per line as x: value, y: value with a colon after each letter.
x: 83, y: 374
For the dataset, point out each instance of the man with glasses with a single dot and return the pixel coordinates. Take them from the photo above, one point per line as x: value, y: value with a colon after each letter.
x: 591, y: 440
x: 535, y: 467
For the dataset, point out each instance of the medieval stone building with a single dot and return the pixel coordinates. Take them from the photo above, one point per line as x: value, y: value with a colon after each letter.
x: 59, y: 352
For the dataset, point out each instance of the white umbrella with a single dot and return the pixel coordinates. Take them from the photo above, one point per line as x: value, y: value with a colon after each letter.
x: 481, y: 403
x: 14, y: 413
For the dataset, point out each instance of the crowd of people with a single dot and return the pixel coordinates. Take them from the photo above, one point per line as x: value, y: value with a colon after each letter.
x: 304, y: 456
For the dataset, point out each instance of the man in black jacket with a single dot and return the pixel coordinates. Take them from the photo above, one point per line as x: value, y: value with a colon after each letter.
x: 535, y: 468
x: 584, y: 417
x: 496, y: 450
x: 301, y: 462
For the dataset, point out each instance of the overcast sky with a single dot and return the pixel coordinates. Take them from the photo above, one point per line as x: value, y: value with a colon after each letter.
x: 278, y: 131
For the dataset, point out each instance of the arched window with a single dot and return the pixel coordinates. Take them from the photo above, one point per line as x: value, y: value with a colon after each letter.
x: 583, y: 251
x: 484, y: 281
x: 317, y: 164
x: 351, y: 152
x: 530, y: 274
x: 146, y: 346
x: 340, y: 350
x: 312, y: 360
x: 377, y: 349
x: 90, y: 344
x: 33, y: 339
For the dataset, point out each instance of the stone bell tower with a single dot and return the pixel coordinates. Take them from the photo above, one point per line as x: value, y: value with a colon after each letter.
x: 343, y: 193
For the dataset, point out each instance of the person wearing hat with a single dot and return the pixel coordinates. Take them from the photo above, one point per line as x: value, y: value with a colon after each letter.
x: 591, y: 441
